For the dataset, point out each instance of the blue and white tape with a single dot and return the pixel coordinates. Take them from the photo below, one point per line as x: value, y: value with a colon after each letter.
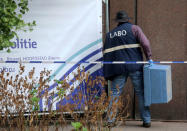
x: 97, y: 62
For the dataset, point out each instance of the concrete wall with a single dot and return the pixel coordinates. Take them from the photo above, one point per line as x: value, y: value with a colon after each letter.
x: 165, y: 24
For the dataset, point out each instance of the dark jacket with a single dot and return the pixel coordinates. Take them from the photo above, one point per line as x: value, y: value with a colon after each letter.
x: 121, y: 45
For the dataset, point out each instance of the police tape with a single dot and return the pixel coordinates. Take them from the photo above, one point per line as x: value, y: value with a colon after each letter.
x: 96, y: 62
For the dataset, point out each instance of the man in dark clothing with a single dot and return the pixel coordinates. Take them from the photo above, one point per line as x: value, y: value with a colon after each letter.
x: 124, y: 43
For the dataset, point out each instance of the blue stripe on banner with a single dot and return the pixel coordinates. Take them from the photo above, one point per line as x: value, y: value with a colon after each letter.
x: 75, y: 66
x: 68, y: 72
x: 59, y: 62
x: 75, y: 55
x: 11, y: 61
x: 70, y: 59
x: 76, y: 90
x: 35, y: 62
x: 70, y: 83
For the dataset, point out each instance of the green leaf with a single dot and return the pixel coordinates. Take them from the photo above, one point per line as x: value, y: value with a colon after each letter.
x: 1, y: 47
x: 96, y: 97
x: 35, y: 99
x: 76, y: 125
x: 8, y: 50
x: 27, y: 9
x: 22, y: 11
x: 34, y: 23
x: 30, y: 30
x: 33, y: 92
x: 61, y: 92
x: 36, y: 107
x: 59, y: 82
x: 84, y: 129
x: 19, y: 16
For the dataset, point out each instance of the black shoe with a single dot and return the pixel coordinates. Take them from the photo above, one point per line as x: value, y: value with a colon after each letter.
x: 110, y: 124
x: 147, y: 125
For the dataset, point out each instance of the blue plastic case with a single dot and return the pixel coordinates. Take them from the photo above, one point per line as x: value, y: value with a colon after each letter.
x: 157, y: 84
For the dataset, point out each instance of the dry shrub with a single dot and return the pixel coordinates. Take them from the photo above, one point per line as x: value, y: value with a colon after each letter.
x: 20, y: 95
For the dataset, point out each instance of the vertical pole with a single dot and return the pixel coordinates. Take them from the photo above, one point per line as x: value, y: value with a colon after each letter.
x: 107, y: 30
x: 135, y: 22
x: 107, y: 15
x: 135, y: 12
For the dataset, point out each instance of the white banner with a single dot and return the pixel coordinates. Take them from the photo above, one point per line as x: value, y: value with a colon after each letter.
x: 67, y: 30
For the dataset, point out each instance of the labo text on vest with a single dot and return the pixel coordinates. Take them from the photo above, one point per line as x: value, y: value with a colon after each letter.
x: 118, y: 33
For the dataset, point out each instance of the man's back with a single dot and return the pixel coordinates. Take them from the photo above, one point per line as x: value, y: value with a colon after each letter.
x: 121, y: 45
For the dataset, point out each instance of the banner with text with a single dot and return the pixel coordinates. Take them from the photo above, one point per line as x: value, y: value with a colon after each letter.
x: 66, y: 30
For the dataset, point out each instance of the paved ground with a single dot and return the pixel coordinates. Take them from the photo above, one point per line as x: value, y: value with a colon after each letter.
x: 156, y: 126
x: 136, y: 126
x: 128, y: 126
